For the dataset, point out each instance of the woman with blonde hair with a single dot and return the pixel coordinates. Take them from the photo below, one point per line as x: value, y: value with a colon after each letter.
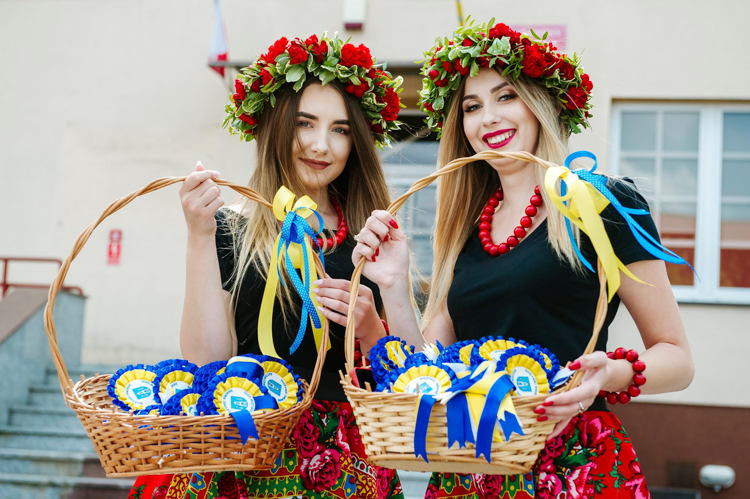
x: 316, y: 108
x: 507, y: 265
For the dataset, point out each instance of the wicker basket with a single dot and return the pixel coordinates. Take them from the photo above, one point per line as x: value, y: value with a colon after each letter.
x: 386, y: 420
x: 130, y: 445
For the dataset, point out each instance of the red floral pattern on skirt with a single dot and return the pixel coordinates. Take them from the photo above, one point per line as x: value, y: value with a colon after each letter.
x: 592, y: 458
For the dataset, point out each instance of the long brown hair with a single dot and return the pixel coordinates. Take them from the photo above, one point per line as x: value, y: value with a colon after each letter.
x: 461, y: 195
x: 360, y: 188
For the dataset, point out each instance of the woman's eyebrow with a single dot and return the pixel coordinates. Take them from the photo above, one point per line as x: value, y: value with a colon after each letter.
x: 495, y: 89
x: 315, y: 118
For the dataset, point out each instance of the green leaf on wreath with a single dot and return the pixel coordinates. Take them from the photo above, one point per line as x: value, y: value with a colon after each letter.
x: 355, y: 80
x: 439, y: 103
x: 474, y: 69
x: 295, y: 73
x: 299, y: 83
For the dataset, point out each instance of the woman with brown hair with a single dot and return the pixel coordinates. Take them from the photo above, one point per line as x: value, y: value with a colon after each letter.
x: 506, y: 264
x: 317, y: 108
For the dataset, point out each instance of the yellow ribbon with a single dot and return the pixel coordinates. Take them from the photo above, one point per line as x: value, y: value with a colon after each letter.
x: 283, y: 203
x: 584, y: 205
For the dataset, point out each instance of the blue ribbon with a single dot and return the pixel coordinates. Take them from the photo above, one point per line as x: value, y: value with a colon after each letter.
x: 488, y: 420
x: 459, y: 421
x: 293, y: 231
x: 246, y: 368
x: 510, y: 425
x: 599, y: 182
x: 246, y: 423
x: 424, y: 411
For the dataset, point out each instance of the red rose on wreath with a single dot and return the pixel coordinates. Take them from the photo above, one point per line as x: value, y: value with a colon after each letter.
x: 358, y: 90
x: 467, y: 42
x: 441, y: 83
x: 255, y: 85
x: 390, y: 112
x: 534, y: 63
x: 433, y: 74
x: 448, y: 66
x: 484, y: 62
x: 356, y: 56
x: 322, y: 471
x: 586, y: 83
x: 265, y: 77
x: 307, y: 433
x: 577, y: 98
x: 276, y: 49
x: 250, y: 120
x: 548, y: 486
x: 319, y: 50
x: 297, y: 53
x: 463, y: 71
x: 239, y: 89
x: 552, y: 64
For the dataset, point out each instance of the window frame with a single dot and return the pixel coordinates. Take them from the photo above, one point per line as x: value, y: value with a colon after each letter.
x: 706, y: 288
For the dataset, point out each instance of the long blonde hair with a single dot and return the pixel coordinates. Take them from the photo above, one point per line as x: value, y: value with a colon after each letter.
x: 360, y: 188
x: 457, y: 216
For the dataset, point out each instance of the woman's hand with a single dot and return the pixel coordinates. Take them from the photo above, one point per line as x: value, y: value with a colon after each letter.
x: 334, y: 296
x: 565, y: 406
x: 385, y: 247
x: 201, y: 199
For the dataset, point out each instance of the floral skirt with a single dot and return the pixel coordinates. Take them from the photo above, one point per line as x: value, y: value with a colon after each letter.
x: 324, y: 458
x: 593, y: 457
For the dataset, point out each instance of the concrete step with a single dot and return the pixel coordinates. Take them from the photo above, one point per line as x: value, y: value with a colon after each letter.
x: 46, y: 396
x: 17, y: 437
x: 30, y: 416
x: 75, y: 372
x: 414, y: 483
x: 50, y: 463
x: 15, y: 486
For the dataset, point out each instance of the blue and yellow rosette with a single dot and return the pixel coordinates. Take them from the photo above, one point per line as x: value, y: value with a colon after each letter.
x: 458, y: 353
x: 292, y: 251
x: 152, y: 410
x: 131, y: 387
x: 172, y: 376
x: 526, y: 369
x: 491, y: 348
x: 386, y: 356
x: 238, y: 396
x: 427, y: 381
x: 205, y: 374
x: 281, y: 382
x: 184, y: 402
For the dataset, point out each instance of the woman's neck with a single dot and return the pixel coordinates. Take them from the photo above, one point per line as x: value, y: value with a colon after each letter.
x: 325, y: 208
x: 518, y: 187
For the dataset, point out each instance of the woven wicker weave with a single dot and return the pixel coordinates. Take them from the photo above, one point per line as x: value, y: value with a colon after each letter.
x: 386, y: 420
x: 130, y: 445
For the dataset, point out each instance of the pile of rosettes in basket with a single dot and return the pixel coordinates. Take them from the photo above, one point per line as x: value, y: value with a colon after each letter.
x: 238, y: 387
x: 475, y: 379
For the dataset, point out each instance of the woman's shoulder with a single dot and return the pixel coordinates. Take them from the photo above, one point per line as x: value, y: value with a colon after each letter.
x: 626, y: 192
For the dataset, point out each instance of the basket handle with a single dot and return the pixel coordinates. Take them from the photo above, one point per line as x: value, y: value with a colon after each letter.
x: 49, y: 324
x: 601, y: 306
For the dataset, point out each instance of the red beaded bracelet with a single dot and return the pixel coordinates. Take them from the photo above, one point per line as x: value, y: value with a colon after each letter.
x: 638, y: 378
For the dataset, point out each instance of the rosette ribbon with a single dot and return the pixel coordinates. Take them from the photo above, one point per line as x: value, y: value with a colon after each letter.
x: 294, y: 250
x: 477, y: 404
x: 583, y: 195
x: 244, y: 420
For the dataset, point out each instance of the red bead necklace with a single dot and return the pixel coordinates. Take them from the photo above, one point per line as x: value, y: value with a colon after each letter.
x: 343, y: 229
x: 485, y: 223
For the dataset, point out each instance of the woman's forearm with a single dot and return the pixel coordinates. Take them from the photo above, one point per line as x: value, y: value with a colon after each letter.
x: 205, y: 335
x: 669, y: 368
x: 402, y: 319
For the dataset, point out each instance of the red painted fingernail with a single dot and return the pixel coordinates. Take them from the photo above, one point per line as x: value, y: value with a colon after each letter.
x: 373, y: 258
x: 540, y: 410
x: 548, y: 403
x: 377, y: 251
x: 575, y: 365
x: 386, y: 238
x: 393, y: 224
x: 542, y: 418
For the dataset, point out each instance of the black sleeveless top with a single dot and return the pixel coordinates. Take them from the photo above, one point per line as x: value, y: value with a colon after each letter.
x: 530, y: 294
x: 338, y: 265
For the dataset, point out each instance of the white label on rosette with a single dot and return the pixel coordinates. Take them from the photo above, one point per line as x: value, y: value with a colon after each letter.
x: 525, y: 381
x: 191, y: 410
x: 427, y: 385
x: 496, y: 354
x: 276, y: 386
x: 172, y: 388
x: 236, y: 399
x: 140, y: 392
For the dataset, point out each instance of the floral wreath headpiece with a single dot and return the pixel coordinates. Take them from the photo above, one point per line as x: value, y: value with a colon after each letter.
x: 327, y: 59
x: 486, y: 46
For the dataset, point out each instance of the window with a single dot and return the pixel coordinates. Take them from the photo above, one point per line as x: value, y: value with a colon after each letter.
x: 692, y: 163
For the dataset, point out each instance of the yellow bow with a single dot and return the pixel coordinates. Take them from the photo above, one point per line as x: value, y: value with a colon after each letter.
x: 584, y: 205
x: 283, y: 203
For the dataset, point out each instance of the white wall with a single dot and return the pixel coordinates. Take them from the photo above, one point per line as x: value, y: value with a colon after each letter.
x: 97, y: 98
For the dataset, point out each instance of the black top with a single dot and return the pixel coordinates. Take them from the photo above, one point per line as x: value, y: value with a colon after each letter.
x: 338, y: 265
x: 530, y: 294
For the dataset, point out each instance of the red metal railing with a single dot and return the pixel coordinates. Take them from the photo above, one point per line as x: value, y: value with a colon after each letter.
x: 5, y: 285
